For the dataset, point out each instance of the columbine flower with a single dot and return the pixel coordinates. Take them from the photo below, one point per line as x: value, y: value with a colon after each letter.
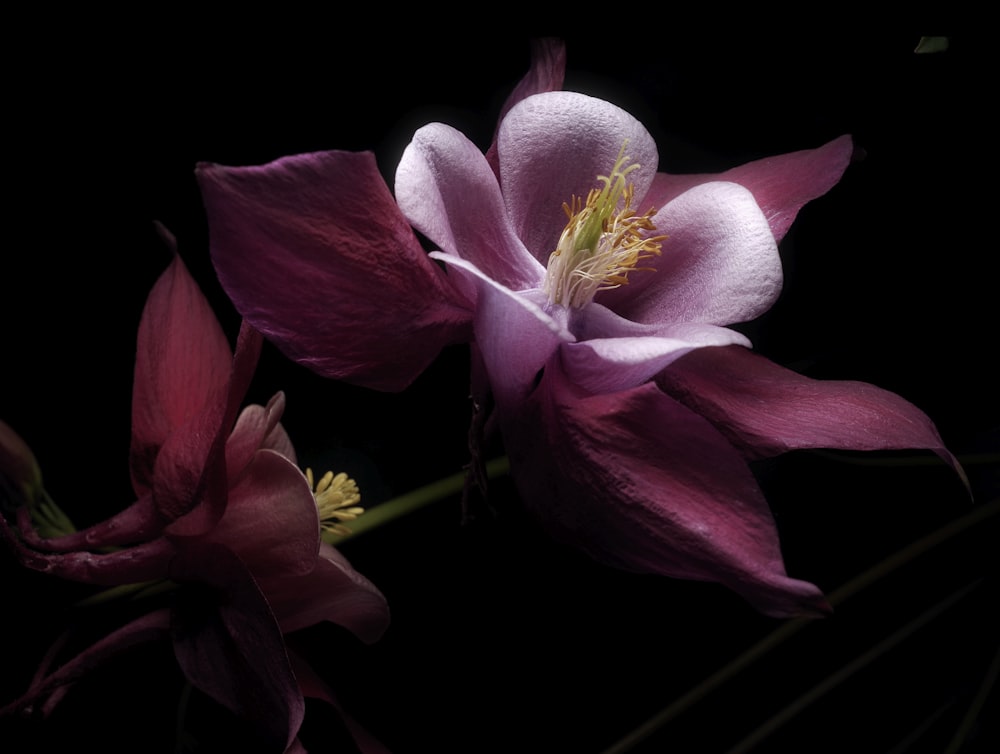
x: 222, y: 510
x: 597, y: 294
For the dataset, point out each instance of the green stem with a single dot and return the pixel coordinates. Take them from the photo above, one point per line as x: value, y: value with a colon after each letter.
x: 412, y: 501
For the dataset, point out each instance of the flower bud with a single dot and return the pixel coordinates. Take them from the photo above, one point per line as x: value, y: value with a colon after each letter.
x: 18, y: 467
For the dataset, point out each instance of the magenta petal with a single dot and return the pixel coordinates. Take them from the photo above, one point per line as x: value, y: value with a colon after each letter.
x: 641, y: 483
x: 271, y: 520
x: 229, y: 646
x: 781, y: 184
x: 182, y: 372
x: 553, y: 146
x: 333, y: 592
x: 765, y: 409
x: 448, y: 192
x: 316, y: 255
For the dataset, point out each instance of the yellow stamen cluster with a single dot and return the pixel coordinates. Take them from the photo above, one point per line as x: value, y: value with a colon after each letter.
x: 601, y: 244
x: 337, y: 497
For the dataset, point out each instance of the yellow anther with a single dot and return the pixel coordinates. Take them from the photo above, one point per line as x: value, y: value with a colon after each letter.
x: 337, y: 497
x: 603, y: 241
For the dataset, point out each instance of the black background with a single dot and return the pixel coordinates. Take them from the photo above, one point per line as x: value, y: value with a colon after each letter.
x: 501, y: 641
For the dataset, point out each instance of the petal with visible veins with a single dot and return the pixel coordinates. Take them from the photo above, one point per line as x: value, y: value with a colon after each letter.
x: 316, y: 255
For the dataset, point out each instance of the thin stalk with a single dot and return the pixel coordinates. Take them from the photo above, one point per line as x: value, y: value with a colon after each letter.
x: 792, y: 627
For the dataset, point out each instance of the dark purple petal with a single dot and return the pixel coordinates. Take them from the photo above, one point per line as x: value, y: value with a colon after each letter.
x: 229, y: 646
x: 546, y: 74
x: 50, y: 688
x: 144, y: 562
x: 333, y: 591
x: 765, y: 409
x: 640, y: 482
x: 553, y: 146
x: 271, y: 521
x: 316, y: 688
x: 781, y: 184
x: 448, y: 192
x: 316, y: 255
x: 140, y: 522
x: 254, y: 425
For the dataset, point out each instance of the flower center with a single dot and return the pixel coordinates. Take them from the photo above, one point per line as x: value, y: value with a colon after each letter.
x: 337, y: 497
x: 602, y: 242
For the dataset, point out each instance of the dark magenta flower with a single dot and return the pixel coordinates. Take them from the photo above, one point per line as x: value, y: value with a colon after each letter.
x: 222, y: 510
x: 598, y: 296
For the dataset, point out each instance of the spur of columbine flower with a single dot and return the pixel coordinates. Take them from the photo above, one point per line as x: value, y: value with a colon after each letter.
x: 597, y: 295
x: 222, y: 511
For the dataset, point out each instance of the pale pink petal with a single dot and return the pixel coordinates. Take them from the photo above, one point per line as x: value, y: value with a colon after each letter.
x: 719, y: 264
x: 641, y: 483
x: 553, y: 146
x: 781, y: 184
x: 334, y: 592
x: 271, y: 521
x: 512, y: 362
x: 605, y: 365
x: 765, y: 409
x: 255, y: 424
x: 314, y: 252
x: 447, y: 191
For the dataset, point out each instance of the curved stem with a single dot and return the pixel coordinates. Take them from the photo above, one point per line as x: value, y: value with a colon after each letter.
x: 792, y: 627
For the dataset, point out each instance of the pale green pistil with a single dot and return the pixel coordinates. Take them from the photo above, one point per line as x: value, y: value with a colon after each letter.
x: 602, y: 243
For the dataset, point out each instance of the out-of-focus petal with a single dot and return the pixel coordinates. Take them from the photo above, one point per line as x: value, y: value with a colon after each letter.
x: 271, y: 521
x: 765, y: 409
x: 50, y: 688
x: 553, y: 146
x: 448, y: 192
x: 719, y: 263
x: 333, y: 592
x: 781, y: 184
x: 545, y: 74
x: 606, y: 365
x: 316, y: 255
x: 640, y: 482
x: 228, y: 643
